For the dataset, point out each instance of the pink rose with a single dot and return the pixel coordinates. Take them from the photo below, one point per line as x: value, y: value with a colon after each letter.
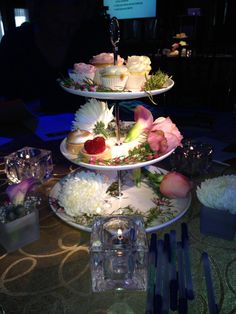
x: 157, y: 141
x: 172, y: 134
x: 175, y: 185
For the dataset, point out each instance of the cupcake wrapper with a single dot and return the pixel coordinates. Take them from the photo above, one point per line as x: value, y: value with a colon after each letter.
x: 97, y: 77
x: 115, y: 83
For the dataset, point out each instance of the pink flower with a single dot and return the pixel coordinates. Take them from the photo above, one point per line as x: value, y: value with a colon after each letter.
x: 144, y: 120
x: 171, y: 132
x: 93, y: 88
x: 157, y: 141
x: 175, y: 185
x: 17, y: 192
x: 84, y: 68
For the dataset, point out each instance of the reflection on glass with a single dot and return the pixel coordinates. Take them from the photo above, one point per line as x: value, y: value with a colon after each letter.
x: 118, y: 254
x: 29, y: 162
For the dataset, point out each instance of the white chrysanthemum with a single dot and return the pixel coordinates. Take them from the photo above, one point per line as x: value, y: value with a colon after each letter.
x: 92, y: 112
x: 83, y: 193
x: 219, y: 192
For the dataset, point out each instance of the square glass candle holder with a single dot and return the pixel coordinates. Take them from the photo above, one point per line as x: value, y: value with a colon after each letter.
x: 29, y: 162
x: 20, y: 232
x: 118, y: 253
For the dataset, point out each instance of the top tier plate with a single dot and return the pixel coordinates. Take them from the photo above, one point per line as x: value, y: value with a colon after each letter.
x: 119, y: 95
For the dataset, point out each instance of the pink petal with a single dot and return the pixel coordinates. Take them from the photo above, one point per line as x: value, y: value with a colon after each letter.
x: 157, y: 141
x: 172, y: 141
x: 172, y: 133
x: 144, y: 116
x: 175, y: 185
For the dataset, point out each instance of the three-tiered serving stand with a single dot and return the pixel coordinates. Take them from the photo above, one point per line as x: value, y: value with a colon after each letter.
x: 182, y: 204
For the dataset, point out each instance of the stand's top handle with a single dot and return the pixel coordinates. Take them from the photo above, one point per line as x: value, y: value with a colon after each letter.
x: 115, y: 36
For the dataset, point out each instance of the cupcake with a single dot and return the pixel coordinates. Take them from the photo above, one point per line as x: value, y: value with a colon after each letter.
x: 114, y: 77
x: 101, y: 61
x: 82, y: 71
x: 138, y: 67
x: 76, y: 139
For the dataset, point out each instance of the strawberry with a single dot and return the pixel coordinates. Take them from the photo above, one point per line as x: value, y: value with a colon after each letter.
x: 95, y: 146
x: 88, y: 146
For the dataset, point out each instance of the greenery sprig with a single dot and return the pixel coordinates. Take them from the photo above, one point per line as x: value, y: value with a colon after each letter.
x: 138, y: 154
x: 99, y: 128
x: 156, y: 81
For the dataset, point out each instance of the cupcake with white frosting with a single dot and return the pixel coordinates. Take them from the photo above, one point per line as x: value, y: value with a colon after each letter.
x: 82, y: 72
x: 103, y: 60
x: 114, y: 77
x: 139, y: 67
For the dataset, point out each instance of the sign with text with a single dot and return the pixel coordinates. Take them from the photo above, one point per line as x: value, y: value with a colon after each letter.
x: 131, y: 9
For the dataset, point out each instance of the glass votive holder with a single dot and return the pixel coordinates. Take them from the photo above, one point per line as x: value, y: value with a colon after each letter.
x: 193, y: 159
x: 118, y: 253
x: 29, y: 162
x: 19, y: 224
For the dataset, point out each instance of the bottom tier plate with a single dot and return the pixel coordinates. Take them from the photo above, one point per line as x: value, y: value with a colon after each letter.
x: 157, y: 213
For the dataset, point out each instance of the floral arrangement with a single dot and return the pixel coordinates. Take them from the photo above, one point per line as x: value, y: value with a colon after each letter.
x: 94, y: 116
x: 156, y: 137
x: 83, y: 193
x: 19, y: 203
x: 218, y: 193
x: 162, y: 134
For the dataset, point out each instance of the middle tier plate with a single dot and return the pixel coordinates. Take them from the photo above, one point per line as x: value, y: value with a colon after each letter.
x: 116, y: 149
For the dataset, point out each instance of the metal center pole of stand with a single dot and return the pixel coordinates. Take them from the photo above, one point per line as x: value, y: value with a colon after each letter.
x: 119, y: 183
x: 115, y: 38
x: 118, y: 142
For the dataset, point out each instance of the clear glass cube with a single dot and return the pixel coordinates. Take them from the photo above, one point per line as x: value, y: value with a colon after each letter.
x: 29, y: 162
x: 118, y: 254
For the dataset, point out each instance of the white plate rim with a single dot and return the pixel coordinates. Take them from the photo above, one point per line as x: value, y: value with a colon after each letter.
x: 101, y: 167
x: 118, y: 95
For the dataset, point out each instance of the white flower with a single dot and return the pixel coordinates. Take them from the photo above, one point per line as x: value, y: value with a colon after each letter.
x: 219, y: 192
x: 83, y: 193
x: 90, y: 114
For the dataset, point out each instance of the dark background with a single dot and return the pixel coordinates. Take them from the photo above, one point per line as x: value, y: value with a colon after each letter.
x: 207, y: 77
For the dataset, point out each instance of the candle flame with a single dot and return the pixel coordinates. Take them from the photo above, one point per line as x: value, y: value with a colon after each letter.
x: 119, y: 232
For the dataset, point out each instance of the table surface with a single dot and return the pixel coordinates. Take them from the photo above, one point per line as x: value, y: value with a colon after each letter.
x: 52, y: 274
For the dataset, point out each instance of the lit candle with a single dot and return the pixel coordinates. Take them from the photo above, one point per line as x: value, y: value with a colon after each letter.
x: 119, y: 240
x: 120, y: 234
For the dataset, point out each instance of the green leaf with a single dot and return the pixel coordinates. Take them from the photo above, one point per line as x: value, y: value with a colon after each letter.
x: 100, y: 129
